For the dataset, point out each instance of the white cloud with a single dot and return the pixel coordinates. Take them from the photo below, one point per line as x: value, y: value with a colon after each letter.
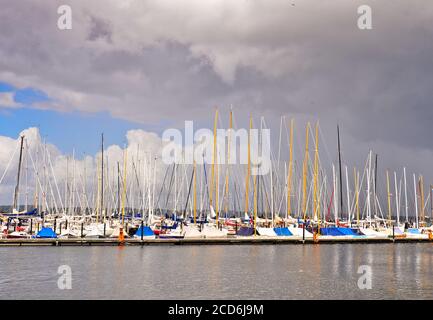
x: 53, y: 168
x: 7, y: 100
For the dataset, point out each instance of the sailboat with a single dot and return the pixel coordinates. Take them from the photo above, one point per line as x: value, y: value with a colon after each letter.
x: 15, y: 212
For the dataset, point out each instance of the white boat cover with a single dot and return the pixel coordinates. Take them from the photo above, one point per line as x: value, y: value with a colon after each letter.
x: 269, y: 232
x: 373, y: 233
x: 213, y: 232
x: 192, y: 232
x: 298, y: 232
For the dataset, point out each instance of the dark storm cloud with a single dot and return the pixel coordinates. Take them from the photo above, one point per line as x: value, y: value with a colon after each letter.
x: 150, y: 60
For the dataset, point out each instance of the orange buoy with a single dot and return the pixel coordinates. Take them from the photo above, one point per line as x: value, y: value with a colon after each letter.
x: 121, y: 236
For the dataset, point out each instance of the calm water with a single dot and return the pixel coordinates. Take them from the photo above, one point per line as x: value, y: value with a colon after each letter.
x: 219, y: 272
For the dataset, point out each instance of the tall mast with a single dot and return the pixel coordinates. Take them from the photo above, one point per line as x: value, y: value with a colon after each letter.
x: 397, y: 198
x: 195, y: 194
x: 102, y: 176
x: 356, y: 175
x: 389, y: 195
x: 305, y: 172
x: 375, y: 186
x: 421, y: 193
x: 118, y: 189
x: 124, y: 185
x: 247, y: 178
x: 227, y: 164
x: 416, y: 199
x: 217, y: 189
x: 334, y: 194
x: 316, y: 173
x: 405, y: 194
x: 271, y: 176
x: 15, y: 204
x: 213, y: 158
x: 368, y: 188
x: 349, y: 211
x: 255, y: 178
x: 431, y: 202
x: 249, y: 172
x: 340, y: 169
x: 289, y: 177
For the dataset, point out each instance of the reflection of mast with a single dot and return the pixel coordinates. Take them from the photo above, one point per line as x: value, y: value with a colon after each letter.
x: 14, y: 206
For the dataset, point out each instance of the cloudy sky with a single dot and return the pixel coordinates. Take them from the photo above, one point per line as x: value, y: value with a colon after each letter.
x: 151, y: 65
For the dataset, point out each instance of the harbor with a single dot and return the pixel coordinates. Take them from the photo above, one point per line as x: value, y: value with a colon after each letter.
x: 146, y: 199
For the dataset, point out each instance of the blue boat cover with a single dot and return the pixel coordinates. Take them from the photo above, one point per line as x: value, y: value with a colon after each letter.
x: 145, y: 230
x: 245, y: 231
x: 198, y: 220
x: 174, y: 226
x: 283, y: 232
x: 330, y: 231
x: 339, y: 231
x: 348, y: 231
x: 413, y: 231
x: 46, y: 233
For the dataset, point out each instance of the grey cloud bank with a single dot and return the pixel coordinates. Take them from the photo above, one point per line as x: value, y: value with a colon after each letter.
x: 151, y: 60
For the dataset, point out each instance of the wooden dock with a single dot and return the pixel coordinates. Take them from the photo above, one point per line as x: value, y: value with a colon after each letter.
x: 203, y: 241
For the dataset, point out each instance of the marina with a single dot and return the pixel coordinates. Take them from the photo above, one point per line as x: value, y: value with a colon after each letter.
x: 216, y: 156
x: 144, y: 199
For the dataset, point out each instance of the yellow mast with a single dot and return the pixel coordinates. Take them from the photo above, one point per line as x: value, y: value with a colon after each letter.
x: 316, y: 173
x: 356, y: 194
x: 195, y: 193
x: 305, y: 172
x: 124, y: 185
x: 247, y: 179
x: 213, y: 157
x: 227, y: 164
x: 255, y: 202
x: 389, y: 195
x: 289, y: 176
x: 217, y: 183
x: 421, y: 187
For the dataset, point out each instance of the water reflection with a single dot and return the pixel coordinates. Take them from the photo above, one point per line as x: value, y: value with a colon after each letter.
x: 219, y: 272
